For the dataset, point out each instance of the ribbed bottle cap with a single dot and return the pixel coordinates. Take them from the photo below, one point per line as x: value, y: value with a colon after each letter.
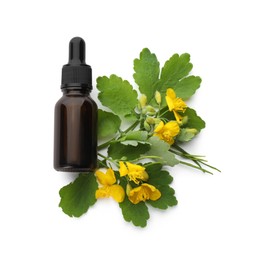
x: 76, y: 74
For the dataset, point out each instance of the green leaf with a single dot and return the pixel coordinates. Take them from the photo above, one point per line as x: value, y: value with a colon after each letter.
x: 137, y: 135
x: 166, y: 200
x: 138, y: 214
x: 176, y: 68
x: 146, y: 73
x: 131, y: 117
x: 108, y: 123
x: 117, y: 94
x: 194, y: 121
x: 128, y: 152
x: 130, y: 142
x: 186, y: 87
x: 160, y: 149
x: 161, y: 180
x: 78, y: 196
x: 157, y: 176
x: 134, y: 137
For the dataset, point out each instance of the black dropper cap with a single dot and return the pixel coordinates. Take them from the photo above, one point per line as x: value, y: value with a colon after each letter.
x: 76, y: 74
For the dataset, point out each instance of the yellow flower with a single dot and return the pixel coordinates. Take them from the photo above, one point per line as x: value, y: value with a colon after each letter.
x: 143, y: 193
x: 167, y: 131
x: 133, y: 171
x: 109, y: 188
x: 175, y: 104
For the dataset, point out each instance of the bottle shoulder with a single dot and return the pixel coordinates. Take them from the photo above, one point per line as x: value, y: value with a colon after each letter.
x: 76, y: 100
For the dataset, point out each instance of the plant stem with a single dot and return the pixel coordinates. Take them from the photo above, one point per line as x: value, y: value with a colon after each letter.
x: 196, y: 167
x: 101, y: 163
x: 212, y: 167
x: 164, y: 113
x: 146, y: 157
x: 188, y: 156
x: 108, y: 159
x: 106, y: 144
x: 132, y: 127
x: 198, y: 161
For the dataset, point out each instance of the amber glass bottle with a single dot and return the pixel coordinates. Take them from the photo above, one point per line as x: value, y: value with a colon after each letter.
x: 75, y: 134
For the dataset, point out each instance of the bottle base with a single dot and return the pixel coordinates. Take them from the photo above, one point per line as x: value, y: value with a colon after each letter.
x: 73, y: 169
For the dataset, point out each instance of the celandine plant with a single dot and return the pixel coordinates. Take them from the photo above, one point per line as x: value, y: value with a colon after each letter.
x: 132, y: 159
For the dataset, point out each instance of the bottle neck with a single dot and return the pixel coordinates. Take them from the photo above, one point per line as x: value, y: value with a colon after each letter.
x: 76, y: 91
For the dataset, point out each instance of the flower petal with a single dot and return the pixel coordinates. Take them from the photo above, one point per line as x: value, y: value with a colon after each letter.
x: 171, y: 93
x: 143, y: 193
x: 169, y: 103
x: 136, y: 173
x: 134, y: 195
x: 101, y: 177
x: 117, y: 193
x: 170, y: 98
x: 172, y: 127
x: 167, y: 132
x: 134, y: 167
x: 178, y: 117
x: 154, y: 192
x: 123, y: 169
x: 106, y: 179
x: 111, y: 179
x: 159, y: 127
x: 102, y: 192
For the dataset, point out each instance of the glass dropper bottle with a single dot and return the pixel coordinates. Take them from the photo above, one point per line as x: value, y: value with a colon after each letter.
x: 75, y: 134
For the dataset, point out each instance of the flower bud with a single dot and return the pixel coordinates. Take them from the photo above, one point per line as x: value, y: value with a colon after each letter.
x: 150, y: 110
x: 158, y: 97
x: 184, y: 120
x: 128, y: 189
x: 157, y: 121
x: 143, y: 101
x: 150, y: 120
x: 192, y: 131
x: 146, y: 126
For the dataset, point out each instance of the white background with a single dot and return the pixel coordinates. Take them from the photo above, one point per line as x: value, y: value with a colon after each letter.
x: 217, y: 216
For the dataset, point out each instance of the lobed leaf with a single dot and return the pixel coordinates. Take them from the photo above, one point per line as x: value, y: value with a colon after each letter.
x: 78, y: 196
x: 138, y: 214
x: 186, y: 87
x: 134, y: 138
x: 161, y: 180
x: 157, y: 176
x: 128, y: 152
x: 108, y: 123
x: 176, y: 68
x: 160, y: 149
x: 146, y: 73
x: 117, y: 94
x: 194, y: 121
x: 167, y: 198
